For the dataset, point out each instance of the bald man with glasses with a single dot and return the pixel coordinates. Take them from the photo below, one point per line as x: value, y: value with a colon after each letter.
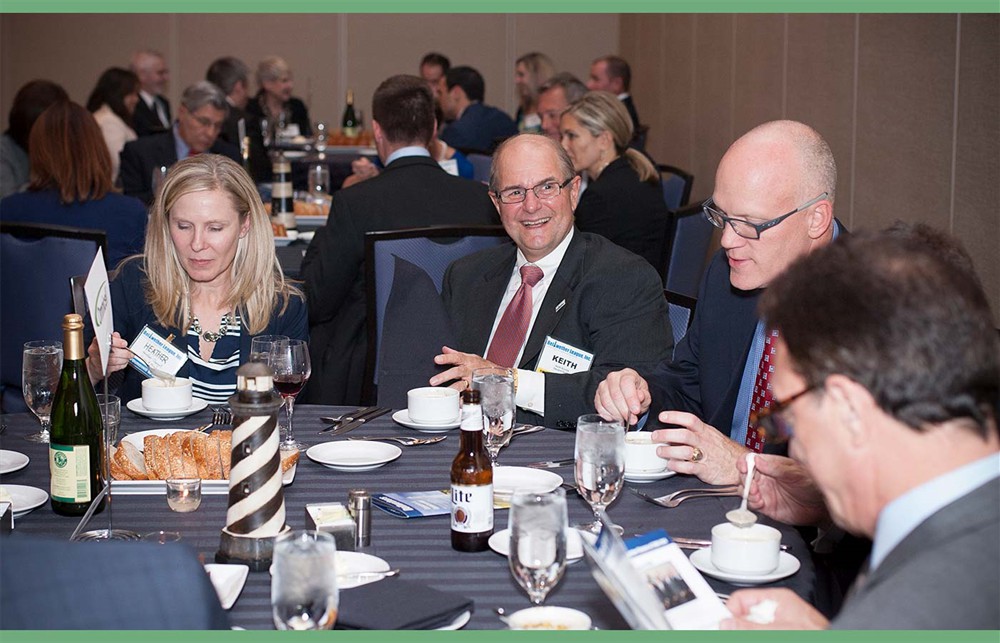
x: 773, y: 200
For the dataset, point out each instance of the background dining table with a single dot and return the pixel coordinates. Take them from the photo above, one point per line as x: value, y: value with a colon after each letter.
x: 419, y: 547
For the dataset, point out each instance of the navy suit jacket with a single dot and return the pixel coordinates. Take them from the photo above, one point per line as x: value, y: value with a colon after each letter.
x: 146, y: 121
x: 603, y: 299
x: 479, y: 128
x: 141, y: 156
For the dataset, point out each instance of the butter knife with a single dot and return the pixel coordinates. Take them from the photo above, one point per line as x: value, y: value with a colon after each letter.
x: 336, y: 422
x: 552, y: 464
x: 350, y: 426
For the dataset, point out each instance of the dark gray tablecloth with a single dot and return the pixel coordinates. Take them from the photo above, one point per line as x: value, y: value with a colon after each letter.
x: 419, y: 547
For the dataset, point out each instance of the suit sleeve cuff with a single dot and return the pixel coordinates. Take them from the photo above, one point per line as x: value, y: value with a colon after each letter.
x: 530, y: 394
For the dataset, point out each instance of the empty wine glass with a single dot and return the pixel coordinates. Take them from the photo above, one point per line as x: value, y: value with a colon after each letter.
x: 39, y: 380
x: 496, y: 388
x: 538, y: 541
x: 600, y: 463
x: 291, y: 366
x: 304, y: 593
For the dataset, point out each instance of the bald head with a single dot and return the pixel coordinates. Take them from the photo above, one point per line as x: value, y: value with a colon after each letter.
x: 535, y: 145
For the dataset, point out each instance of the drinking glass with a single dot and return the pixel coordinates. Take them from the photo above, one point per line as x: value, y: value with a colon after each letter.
x: 496, y: 390
x: 600, y: 463
x: 39, y: 380
x: 291, y: 366
x: 111, y: 414
x: 319, y: 180
x: 266, y: 131
x: 322, y: 137
x: 159, y: 176
x: 304, y: 592
x: 260, y: 347
x: 538, y: 541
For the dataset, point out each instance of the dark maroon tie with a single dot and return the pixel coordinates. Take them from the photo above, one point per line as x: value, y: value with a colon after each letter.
x: 762, y: 396
x: 513, y: 326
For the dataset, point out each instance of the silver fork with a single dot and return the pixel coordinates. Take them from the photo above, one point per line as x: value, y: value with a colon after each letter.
x: 671, y: 500
x: 405, y: 440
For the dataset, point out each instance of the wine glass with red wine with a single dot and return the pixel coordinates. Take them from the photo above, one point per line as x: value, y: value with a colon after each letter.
x: 290, y: 363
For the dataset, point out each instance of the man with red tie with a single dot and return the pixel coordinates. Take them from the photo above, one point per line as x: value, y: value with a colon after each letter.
x: 773, y: 200
x: 559, y: 307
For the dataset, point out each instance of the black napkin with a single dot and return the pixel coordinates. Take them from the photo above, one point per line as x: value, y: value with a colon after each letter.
x: 396, y: 604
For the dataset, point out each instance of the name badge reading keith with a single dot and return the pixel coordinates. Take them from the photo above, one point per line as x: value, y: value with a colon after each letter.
x: 156, y: 352
x: 560, y: 357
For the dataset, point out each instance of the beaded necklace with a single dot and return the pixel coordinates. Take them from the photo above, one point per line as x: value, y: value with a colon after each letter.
x: 208, y: 335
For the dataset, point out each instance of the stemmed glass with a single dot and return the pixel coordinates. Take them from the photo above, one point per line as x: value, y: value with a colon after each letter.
x: 304, y: 593
x: 538, y: 541
x: 39, y: 380
x: 496, y: 389
x: 600, y: 463
x: 291, y: 366
x: 322, y: 135
x: 260, y: 347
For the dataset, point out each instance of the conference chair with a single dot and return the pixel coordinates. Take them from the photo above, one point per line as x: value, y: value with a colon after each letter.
x: 680, y: 311
x: 36, y: 265
x: 481, y: 167
x: 689, y: 237
x: 676, y: 184
x: 406, y: 320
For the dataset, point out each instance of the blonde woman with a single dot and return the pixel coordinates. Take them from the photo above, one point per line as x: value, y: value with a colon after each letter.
x: 624, y: 200
x: 208, y: 277
x: 274, y: 100
x: 530, y: 72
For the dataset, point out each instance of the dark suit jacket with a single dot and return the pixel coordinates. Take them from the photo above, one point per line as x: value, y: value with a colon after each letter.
x: 603, y: 299
x: 944, y: 575
x: 141, y: 156
x: 145, y: 121
x: 479, y: 128
x: 619, y: 206
x: 297, y: 113
x: 630, y: 106
x: 411, y: 192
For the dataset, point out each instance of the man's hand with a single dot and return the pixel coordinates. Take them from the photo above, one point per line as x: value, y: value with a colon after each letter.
x: 699, y: 449
x: 462, y: 365
x: 792, y: 612
x: 784, y: 490
x: 361, y: 170
x: 623, y: 395
x: 120, y: 355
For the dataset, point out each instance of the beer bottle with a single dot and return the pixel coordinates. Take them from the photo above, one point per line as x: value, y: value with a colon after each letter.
x: 471, y: 482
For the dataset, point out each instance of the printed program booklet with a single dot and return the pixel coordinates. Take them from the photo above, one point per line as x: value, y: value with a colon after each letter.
x: 420, y: 504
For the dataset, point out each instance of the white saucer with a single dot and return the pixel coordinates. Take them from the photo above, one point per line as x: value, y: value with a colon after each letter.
x: 787, y: 565
x: 228, y: 581
x: 25, y: 498
x: 643, y: 477
x: 507, y: 480
x: 353, y: 562
x: 197, y: 404
x: 11, y: 461
x: 500, y: 543
x: 353, y: 456
x: 402, y: 416
x: 460, y: 621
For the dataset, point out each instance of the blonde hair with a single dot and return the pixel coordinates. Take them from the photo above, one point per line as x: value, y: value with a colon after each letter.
x: 257, y: 281
x: 600, y: 112
x: 271, y: 68
x: 540, y: 68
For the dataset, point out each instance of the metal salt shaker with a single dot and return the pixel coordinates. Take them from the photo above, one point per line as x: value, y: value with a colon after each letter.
x: 359, y: 504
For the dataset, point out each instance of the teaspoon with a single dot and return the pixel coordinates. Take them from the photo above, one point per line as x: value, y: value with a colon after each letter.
x: 743, y: 517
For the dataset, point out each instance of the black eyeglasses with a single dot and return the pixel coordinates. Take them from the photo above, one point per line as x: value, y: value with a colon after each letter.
x: 770, y: 424
x: 745, y: 229
x: 544, y: 191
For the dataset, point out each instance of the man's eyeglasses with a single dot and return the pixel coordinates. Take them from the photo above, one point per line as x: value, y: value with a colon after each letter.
x: 744, y: 228
x: 770, y: 423
x: 544, y: 191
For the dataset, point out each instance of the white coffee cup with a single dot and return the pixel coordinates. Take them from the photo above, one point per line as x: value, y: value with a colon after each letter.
x: 432, y: 405
x: 750, y: 550
x: 640, y: 453
x: 160, y: 395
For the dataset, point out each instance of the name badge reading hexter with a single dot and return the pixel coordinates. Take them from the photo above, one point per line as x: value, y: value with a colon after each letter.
x: 157, y: 352
x: 560, y: 357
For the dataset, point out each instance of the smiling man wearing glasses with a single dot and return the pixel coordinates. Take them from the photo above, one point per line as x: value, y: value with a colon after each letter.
x: 773, y: 200
x: 560, y: 308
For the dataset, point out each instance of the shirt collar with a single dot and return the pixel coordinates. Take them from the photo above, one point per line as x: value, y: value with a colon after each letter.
x: 409, y: 150
x: 623, y: 95
x: 148, y: 98
x: 550, y: 262
x: 182, y: 148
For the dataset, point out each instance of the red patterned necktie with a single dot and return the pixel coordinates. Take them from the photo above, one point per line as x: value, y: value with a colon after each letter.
x: 761, y: 391
x: 513, y: 326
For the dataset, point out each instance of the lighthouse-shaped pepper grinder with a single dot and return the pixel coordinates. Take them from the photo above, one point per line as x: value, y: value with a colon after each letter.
x: 256, y: 511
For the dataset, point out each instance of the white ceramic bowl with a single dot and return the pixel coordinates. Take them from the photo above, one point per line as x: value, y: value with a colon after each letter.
x: 432, y: 405
x: 158, y: 395
x: 748, y: 550
x: 640, y: 454
x: 548, y: 617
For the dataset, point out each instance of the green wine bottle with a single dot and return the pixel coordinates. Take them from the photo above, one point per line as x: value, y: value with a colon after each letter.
x: 349, y: 124
x: 76, y: 448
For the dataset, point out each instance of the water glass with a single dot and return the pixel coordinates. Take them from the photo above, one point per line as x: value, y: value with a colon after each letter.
x: 319, y: 180
x: 111, y: 414
x: 40, y: 368
x: 159, y: 176
x: 600, y: 463
x: 322, y: 138
x: 304, y: 592
x: 538, y: 541
x: 260, y: 347
x: 496, y: 390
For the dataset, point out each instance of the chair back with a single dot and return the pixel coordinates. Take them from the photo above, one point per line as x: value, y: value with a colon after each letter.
x: 689, y: 236
x: 408, y: 266
x: 676, y: 184
x: 680, y: 310
x: 481, y: 167
x: 36, y: 265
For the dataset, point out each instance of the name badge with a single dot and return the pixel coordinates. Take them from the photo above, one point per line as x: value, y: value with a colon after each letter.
x: 157, y: 352
x: 560, y: 357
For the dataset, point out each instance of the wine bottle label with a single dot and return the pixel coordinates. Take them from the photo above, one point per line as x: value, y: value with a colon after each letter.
x: 471, y: 508
x: 350, y: 132
x: 69, y: 468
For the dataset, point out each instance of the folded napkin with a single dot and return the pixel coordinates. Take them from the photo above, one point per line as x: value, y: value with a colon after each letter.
x: 396, y: 604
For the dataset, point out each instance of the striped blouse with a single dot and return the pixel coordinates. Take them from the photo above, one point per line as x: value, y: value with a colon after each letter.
x: 214, y: 380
